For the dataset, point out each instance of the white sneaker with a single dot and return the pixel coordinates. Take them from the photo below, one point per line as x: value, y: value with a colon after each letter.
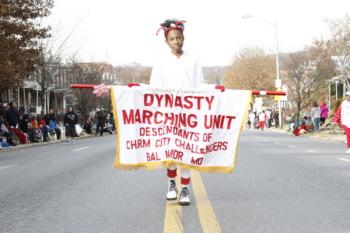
x: 172, y: 191
x: 347, y: 151
x: 184, y: 198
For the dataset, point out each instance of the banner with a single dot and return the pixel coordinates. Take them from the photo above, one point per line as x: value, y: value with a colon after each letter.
x: 194, y: 128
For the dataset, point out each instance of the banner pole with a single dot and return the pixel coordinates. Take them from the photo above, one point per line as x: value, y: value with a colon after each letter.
x: 254, y: 92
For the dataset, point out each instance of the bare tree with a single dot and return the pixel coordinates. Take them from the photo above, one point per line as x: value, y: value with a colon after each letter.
x: 214, y: 74
x: 90, y: 73
x: 134, y: 73
x: 340, y: 46
x: 49, y: 62
x: 251, y: 69
x: 306, y: 72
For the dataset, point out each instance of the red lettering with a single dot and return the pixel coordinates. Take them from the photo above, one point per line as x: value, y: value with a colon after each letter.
x: 188, y: 103
x: 198, y: 161
x: 138, y: 143
x: 217, y: 121
x: 159, y: 99
x: 192, y: 121
x: 169, y: 100
x: 199, y: 99
x: 156, y: 120
x: 152, y: 156
x: 224, y: 145
x: 128, y: 118
x: 145, y: 131
x: 148, y: 99
x: 230, y: 118
x: 178, y: 102
x: 210, y: 101
x: 146, y: 116
x: 174, y: 154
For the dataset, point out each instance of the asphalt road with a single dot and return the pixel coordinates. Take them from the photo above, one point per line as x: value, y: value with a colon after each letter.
x: 281, y: 184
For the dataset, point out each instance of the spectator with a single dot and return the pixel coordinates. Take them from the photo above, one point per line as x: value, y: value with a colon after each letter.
x: 35, y: 134
x: 88, y: 125
x: 268, y: 118
x: 6, y: 136
x: 43, y: 127
x: 301, y: 129
x: 2, y: 110
x: 252, y: 119
x: 101, y: 121
x: 52, y: 123
x: 316, y: 115
x: 70, y: 120
x: 111, y: 120
x: 23, y: 122
x: 12, y: 115
x: 262, y: 119
x: 345, y: 118
x: 324, y: 112
x: 42, y: 114
x: 34, y: 122
x: 275, y: 118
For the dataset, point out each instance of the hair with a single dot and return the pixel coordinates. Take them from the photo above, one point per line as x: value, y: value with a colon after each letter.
x: 172, y: 24
x: 315, y: 104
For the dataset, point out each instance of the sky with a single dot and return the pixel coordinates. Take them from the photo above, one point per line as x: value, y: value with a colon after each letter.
x: 123, y: 32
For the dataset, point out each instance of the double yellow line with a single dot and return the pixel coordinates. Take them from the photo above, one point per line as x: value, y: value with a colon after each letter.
x: 206, y: 214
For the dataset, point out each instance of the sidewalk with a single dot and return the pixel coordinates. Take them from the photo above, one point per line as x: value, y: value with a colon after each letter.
x: 323, y: 135
x: 24, y: 146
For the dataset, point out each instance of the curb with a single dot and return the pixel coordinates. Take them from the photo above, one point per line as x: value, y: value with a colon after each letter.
x: 31, y: 145
x: 332, y: 139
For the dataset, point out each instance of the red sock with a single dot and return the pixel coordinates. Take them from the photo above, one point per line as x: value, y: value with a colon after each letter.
x: 185, y: 181
x: 172, y: 173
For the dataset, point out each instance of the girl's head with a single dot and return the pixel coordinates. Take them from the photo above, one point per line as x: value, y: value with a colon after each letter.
x: 173, y: 33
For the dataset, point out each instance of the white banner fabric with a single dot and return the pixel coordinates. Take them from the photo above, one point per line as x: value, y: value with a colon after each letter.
x: 194, y: 128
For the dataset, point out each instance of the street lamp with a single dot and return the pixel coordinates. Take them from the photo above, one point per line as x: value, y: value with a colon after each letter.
x: 278, y: 82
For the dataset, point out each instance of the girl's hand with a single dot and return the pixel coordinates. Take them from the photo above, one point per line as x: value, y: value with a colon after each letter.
x: 101, y: 90
x: 220, y: 87
x: 133, y: 85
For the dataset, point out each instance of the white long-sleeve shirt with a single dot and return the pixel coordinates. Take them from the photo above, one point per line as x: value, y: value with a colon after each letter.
x: 345, y: 113
x: 315, y: 112
x: 262, y: 116
x: 177, y: 73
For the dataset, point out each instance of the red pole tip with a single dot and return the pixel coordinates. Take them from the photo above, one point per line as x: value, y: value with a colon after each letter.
x: 82, y: 86
x: 256, y: 92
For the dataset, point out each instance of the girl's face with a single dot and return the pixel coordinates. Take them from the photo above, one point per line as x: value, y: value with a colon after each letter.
x: 175, y: 41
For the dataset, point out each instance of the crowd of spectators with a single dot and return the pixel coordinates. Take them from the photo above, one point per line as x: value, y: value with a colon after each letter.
x: 18, y: 126
x: 263, y: 119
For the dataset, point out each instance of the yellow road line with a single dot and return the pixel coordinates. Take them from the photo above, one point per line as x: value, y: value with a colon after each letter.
x: 173, y: 215
x: 206, y: 213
